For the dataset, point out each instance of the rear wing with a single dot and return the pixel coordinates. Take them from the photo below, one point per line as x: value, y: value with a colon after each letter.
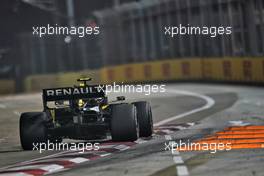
x: 73, y: 93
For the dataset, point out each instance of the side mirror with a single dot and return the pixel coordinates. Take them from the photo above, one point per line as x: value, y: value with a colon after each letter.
x: 121, y: 98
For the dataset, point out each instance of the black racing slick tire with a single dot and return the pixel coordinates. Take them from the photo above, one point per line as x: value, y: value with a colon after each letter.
x: 144, y: 116
x: 32, y: 129
x: 124, y: 125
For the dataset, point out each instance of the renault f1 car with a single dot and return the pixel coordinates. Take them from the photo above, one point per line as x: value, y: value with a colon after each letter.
x: 83, y: 113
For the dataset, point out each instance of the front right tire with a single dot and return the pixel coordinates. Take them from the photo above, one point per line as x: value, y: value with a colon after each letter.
x: 144, y: 116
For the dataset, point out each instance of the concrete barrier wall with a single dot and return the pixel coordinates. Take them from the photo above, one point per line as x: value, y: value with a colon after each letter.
x: 184, y: 69
x: 7, y: 86
x: 234, y: 69
x: 246, y: 70
x: 249, y: 70
x: 38, y: 82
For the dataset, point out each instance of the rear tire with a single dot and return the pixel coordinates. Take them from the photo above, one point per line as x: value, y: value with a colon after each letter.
x: 144, y: 116
x: 32, y: 129
x: 124, y: 125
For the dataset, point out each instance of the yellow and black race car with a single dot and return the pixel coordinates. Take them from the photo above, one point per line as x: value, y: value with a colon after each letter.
x: 83, y: 112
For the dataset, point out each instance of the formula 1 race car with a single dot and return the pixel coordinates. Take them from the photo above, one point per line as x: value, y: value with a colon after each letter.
x: 83, y: 112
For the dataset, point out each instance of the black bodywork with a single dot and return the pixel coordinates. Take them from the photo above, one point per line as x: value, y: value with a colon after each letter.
x: 84, y: 113
x: 79, y: 112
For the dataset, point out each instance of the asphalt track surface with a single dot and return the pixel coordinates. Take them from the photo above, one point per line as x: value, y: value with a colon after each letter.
x: 187, y: 112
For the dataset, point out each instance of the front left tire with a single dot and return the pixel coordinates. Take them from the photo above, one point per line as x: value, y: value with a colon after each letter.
x: 32, y: 129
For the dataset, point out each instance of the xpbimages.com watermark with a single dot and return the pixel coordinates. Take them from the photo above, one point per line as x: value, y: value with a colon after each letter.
x: 147, y: 89
x: 51, y: 146
x: 80, y: 31
x: 195, y: 146
x: 211, y: 31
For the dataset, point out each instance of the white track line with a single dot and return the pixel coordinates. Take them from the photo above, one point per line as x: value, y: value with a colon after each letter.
x: 78, y: 160
x: 181, y: 169
x: 106, y: 154
x: 175, y: 152
x: 238, y: 123
x: 52, y: 168
x: 17, y: 113
x: 209, y: 103
x: 178, y: 160
x: 168, y: 137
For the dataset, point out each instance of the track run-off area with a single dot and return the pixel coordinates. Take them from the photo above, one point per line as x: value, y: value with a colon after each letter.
x: 200, y: 113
